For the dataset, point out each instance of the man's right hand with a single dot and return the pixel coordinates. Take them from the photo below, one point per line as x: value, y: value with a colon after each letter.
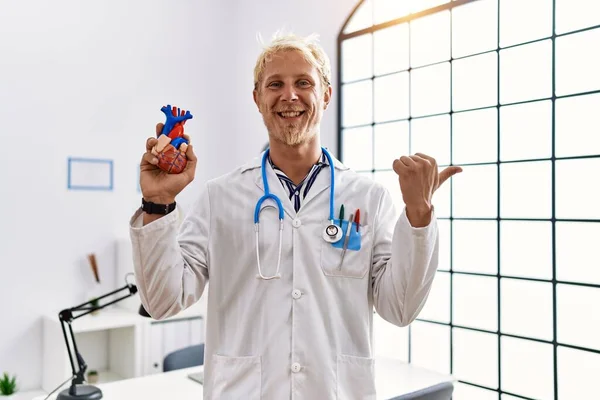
x: 159, y: 186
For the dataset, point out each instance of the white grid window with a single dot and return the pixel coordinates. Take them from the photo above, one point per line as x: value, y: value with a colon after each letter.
x: 509, y: 90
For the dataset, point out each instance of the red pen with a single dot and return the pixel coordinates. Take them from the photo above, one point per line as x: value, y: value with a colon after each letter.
x: 357, y: 219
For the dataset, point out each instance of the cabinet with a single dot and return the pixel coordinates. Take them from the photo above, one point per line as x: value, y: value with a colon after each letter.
x: 164, y: 337
x: 118, y: 343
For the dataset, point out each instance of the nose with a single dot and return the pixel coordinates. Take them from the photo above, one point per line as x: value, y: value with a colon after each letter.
x: 289, y: 93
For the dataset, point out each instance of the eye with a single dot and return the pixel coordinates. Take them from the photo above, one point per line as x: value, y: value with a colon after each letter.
x: 274, y: 85
x: 304, y: 83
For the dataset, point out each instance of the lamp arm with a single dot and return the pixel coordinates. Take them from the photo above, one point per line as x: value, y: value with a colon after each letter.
x: 66, y: 317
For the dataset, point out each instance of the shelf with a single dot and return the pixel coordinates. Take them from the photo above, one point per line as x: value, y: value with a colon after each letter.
x: 107, y: 377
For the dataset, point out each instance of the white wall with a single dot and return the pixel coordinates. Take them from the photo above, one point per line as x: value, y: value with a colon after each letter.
x: 87, y: 79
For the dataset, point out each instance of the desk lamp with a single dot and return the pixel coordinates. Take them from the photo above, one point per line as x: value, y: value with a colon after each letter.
x: 78, y: 390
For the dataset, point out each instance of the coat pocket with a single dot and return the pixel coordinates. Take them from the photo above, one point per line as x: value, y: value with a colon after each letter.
x: 236, y: 377
x: 352, y: 263
x: 355, y: 378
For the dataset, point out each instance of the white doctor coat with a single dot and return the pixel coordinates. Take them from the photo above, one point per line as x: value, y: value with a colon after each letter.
x: 307, y: 335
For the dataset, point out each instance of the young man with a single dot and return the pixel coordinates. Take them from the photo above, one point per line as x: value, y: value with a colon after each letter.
x: 290, y: 311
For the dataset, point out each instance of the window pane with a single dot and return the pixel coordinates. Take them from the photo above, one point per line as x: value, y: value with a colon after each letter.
x: 420, y: 5
x: 475, y: 82
x: 389, y: 179
x: 430, y: 39
x: 577, y: 126
x: 437, y: 307
x: 526, y: 190
x: 474, y: 136
x: 430, y: 90
x: 576, y: 198
x: 357, y: 99
x: 475, y: 357
x: 475, y: 246
x: 391, y: 142
x: 522, y: 21
x: 391, y: 97
x: 387, y: 10
x: 526, y: 131
x: 356, y: 58
x: 526, y: 249
x: 357, y: 148
x: 577, y: 255
x: 526, y: 72
x: 431, y: 346
x: 576, y: 14
x: 362, y: 18
x: 525, y: 358
x: 475, y: 192
x: 444, y: 251
x: 467, y: 392
x: 391, y: 49
x: 431, y: 136
x: 577, y: 64
x: 526, y: 308
x: 578, y: 321
x: 389, y: 341
x: 475, y: 301
x: 577, y: 373
x: 474, y: 28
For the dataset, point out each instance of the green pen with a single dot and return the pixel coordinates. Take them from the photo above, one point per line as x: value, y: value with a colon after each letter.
x: 341, y: 215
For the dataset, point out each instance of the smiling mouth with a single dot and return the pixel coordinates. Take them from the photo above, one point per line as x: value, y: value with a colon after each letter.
x: 290, y: 114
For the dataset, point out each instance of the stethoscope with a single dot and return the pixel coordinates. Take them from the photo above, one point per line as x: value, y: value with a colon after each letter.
x: 331, y: 234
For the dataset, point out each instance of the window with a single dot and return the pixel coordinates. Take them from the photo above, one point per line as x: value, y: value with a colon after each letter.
x: 509, y: 90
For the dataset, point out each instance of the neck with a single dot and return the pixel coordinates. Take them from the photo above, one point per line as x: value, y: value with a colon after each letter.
x: 295, y: 161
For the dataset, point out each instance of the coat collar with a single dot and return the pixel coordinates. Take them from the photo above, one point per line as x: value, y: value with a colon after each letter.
x: 322, y: 182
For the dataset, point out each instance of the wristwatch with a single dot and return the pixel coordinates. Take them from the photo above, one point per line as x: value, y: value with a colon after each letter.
x: 154, y: 208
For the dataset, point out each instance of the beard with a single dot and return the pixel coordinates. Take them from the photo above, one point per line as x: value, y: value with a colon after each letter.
x: 290, y: 134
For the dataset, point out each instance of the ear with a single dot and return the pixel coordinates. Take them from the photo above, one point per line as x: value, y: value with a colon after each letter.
x: 255, y: 96
x: 327, y: 97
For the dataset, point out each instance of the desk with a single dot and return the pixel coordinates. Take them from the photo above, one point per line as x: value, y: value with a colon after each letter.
x: 392, y: 378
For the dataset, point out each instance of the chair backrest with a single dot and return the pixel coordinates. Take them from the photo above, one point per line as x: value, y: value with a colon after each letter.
x: 441, y: 391
x: 191, y: 356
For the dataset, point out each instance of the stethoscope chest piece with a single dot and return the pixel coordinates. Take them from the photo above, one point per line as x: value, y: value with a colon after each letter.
x: 332, y: 233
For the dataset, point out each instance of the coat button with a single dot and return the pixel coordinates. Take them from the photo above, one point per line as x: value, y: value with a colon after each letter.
x: 296, y: 367
x: 296, y: 294
x: 297, y: 223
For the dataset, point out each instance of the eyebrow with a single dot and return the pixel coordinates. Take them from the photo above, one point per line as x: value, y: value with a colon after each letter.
x: 278, y: 76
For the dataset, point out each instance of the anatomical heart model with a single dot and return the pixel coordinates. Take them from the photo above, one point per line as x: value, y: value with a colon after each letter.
x: 171, y: 147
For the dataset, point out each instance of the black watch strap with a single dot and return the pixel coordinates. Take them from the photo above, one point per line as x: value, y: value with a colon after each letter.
x: 154, y: 208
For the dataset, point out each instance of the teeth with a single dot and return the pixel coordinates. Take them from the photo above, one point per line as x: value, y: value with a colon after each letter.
x: 290, y: 114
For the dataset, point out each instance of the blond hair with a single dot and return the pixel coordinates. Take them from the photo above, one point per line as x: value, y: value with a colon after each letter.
x: 308, y: 46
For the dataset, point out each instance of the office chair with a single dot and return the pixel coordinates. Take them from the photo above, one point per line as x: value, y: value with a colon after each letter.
x: 441, y: 391
x: 191, y: 356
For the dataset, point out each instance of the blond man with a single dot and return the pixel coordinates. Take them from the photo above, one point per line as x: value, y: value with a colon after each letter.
x: 292, y: 288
